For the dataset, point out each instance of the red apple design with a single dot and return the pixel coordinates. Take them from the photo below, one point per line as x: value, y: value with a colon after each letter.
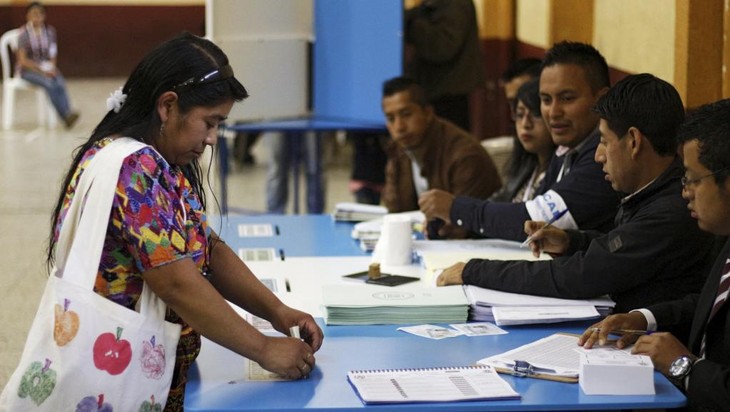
x: 112, y: 353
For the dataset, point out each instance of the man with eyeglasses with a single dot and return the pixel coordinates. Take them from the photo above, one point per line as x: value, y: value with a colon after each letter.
x: 655, y: 253
x: 700, y: 365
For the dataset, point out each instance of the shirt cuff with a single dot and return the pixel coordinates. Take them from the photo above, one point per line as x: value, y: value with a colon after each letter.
x: 650, y: 319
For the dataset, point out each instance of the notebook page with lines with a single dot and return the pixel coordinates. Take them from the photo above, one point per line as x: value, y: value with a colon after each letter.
x: 469, y: 383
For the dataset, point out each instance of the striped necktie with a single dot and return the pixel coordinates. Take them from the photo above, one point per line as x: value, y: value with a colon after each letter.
x: 722, y: 292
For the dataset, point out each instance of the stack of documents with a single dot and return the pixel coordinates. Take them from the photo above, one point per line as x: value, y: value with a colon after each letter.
x: 357, y: 212
x: 371, y: 305
x: 558, y: 357
x: 503, y: 308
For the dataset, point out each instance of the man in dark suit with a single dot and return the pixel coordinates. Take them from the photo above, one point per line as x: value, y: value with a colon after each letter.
x: 702, y: 367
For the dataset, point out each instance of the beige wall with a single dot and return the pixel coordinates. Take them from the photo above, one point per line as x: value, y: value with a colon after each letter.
x: 636, y: 36
x: 533, y: 17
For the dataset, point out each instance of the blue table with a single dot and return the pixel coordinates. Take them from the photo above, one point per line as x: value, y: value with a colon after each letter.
x: 298, y: 235
x: 216, y: 380
x: 217, y: 384
x: 295, y: 128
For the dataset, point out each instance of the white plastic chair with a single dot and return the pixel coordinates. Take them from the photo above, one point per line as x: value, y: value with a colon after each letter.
x: 12, y: 83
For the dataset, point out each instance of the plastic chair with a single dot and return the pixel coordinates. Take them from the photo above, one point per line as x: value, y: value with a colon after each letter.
x: 13, y: 83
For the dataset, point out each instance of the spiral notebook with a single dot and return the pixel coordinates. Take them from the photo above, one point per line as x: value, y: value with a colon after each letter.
x: 468, y: 383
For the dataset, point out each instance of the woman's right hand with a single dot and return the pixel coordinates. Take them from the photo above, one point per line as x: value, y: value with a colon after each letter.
x: 287, y: 356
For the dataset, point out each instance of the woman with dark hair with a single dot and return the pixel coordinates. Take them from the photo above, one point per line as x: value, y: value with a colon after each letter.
x: 532, y: 149
x: 158, y: 234
x: 36, y: 55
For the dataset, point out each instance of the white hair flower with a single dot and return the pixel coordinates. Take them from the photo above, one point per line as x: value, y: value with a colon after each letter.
x: 115, y: 101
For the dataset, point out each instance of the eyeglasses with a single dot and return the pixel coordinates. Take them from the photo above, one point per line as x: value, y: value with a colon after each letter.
x: 221, y: 73
x: 690, y: 182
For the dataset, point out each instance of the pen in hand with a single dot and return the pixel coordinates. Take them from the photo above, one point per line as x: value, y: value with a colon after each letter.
x: 555, y: 218
x: 626, y: 331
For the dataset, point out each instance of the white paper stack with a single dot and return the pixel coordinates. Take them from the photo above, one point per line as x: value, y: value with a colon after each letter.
x: 503, y: 308
x: 357, y: 212
x: 370, y: 305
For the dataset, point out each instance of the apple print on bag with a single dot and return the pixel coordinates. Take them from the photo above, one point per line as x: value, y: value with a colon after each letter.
x: 153, y: 359
x: 37, y: 382
x: 112, y: 353
x: 150, y: 406
x: 66, y: 323
x: 93, y: 404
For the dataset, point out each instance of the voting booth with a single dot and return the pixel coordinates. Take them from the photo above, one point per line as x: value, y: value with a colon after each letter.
x: 309, y: 58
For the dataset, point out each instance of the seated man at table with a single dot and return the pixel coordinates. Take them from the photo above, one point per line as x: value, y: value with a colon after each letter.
x: 656, y: 252
x: 702, y: 367
x: 573, y: 77
x: 428, y: 152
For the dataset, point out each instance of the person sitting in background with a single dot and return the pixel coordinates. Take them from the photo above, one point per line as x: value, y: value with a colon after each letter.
x: 532, y: 152
x: 656, y: 253
x: 36, y: 61
x: 517, y: 74
x: 158, y: 235
x: 699, y: 364
x: 428, y: 152
x: 573, y: 77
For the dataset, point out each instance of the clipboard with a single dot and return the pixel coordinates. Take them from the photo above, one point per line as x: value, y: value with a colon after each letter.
x: 524, y: 369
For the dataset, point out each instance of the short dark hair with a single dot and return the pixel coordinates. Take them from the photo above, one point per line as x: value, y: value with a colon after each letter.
x: 528, y: 66
x: 583, y: 55
x: 710, y: 126
x: 648, y: 103
x: 402, y: 84
x: 34, y: 4
x: 529, y: 95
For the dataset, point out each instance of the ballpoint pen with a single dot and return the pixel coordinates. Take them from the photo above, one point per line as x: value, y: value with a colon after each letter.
x: 626, y: 331
x: 555, y: 218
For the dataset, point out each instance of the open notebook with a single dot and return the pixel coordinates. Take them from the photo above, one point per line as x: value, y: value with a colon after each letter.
x: 468, y: 383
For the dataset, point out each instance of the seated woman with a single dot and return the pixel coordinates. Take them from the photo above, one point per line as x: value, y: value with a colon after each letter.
x: 532, y: 151
x: 36, y: 55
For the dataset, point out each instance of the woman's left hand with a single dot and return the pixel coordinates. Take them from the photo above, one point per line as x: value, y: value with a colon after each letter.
x: 310, y: 332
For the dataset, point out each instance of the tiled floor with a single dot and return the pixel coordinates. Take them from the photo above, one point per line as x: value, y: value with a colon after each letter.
x: 32, y: 163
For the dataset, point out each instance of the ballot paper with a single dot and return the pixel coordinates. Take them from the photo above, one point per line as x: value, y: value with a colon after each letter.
x: 527, y: 309
x: 409, y: 304
x: 523, y: 315
x: 557, y: 356
x: 431, y: 331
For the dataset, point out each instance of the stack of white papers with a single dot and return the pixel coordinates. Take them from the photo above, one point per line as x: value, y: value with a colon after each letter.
x: 370, y: 305
x: 357, y: 212
x: 503, y: 308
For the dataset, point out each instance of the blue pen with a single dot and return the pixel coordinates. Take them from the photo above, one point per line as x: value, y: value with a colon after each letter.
x: 555, y: 218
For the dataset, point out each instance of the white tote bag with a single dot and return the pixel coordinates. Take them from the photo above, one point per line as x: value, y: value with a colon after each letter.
x: 85, y: 352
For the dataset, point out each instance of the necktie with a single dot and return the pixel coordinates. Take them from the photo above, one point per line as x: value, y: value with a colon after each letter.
x: 722, y: 292
x: 567, y: 163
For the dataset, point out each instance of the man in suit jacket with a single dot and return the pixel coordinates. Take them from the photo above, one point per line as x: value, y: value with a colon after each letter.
x: 700, y: 365
x: 656, y: 253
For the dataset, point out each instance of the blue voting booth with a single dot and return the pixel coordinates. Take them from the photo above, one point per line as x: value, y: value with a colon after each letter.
x: 322, y: 73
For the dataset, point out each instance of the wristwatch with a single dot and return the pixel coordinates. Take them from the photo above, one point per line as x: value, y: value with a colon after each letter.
x: 679, y: 369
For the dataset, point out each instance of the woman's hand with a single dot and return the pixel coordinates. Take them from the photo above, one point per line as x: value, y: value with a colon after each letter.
x: 288, y: 357
x: 286, y: 317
